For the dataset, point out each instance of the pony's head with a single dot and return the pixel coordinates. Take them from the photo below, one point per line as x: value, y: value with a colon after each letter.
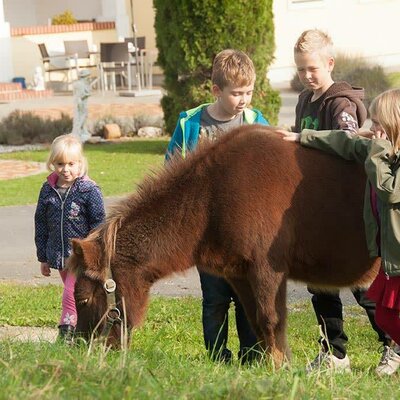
x: 99, y: 313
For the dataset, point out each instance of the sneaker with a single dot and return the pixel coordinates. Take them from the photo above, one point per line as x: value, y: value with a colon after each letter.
x: 66, y: 334
x: 326, y: 361
x: 389, y: 363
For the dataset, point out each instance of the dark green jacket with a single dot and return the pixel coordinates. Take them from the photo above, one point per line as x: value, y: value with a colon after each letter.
x: 384, y: 177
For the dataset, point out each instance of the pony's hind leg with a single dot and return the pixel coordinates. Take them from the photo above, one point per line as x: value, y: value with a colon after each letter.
x: 269, y: 291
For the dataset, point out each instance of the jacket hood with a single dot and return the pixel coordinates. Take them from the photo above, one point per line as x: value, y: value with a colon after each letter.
x: 81, y: 181
x: 338, y: 89
x: 354, y: 94
x: 344, y: 89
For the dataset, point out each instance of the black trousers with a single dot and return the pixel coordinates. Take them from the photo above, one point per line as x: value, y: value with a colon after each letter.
x: 217, y: 297
x: 328, y: 308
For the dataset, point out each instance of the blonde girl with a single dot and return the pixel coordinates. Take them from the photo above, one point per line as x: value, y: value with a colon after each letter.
x: 70, y: 205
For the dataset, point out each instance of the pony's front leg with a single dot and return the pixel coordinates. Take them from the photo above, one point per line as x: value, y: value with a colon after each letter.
x: 269, y: 290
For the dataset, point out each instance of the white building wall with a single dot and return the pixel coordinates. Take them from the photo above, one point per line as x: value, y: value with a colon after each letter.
x: 81, y: 10
x: 6, y: 65
x: 38, y: 12
x: 370, y: 28
x: 20, y: 12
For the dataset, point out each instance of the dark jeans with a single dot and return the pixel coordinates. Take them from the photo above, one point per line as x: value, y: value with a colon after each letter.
x: 217, y: 297
x: 329, y: 311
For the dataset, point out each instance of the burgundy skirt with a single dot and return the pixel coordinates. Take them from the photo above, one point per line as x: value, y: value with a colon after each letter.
x: 384, y: 291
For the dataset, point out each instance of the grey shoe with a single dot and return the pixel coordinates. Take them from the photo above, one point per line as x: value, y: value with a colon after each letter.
x: 389, y: 363
x: 327, y: 361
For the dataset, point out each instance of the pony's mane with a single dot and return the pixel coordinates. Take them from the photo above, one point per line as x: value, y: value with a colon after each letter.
x: 159, y: 181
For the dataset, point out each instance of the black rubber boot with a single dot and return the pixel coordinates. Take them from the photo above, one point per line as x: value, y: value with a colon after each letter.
x: 66, y: 334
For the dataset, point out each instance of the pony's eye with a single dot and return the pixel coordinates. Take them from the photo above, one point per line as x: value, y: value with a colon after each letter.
x: 83, y: 302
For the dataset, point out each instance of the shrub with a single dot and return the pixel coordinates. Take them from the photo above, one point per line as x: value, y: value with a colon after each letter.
x: 189, y: 35
x: 394, y: 79
x: 358, y: 72
x: 65, y: 18
x: 372, y: 78
x: 26, y: 128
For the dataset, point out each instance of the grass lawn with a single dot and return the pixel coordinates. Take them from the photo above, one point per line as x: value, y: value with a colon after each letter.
x: 116, y: 167
x: 394, y: 79
x: 167, y: 360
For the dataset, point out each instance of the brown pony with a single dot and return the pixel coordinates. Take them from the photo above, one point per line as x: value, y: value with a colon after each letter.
x: 250, y: 207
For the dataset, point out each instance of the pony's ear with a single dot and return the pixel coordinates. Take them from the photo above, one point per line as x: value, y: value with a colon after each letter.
x: 86, y: 259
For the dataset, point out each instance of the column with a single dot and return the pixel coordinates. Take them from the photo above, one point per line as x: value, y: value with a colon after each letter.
x: 115, y: 10
x: 6, y: 66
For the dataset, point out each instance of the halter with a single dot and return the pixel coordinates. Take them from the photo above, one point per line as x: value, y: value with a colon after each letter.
x: 113, y: 314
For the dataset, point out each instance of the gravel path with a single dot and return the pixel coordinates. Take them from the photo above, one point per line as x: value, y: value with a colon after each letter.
x: 28, y: 334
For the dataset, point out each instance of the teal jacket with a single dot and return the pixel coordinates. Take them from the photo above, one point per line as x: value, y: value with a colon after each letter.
x: 384, y: 177
x: 186, y: 133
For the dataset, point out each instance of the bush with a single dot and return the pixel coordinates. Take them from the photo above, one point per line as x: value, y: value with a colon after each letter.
x: 66, y: 18
x: 358, y: 72
x: 26, y: 128
x: 394, y: 79
x: 189, y: 35
x: 372, y: 79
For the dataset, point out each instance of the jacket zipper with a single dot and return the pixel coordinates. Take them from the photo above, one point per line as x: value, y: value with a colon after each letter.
x: 62, y: 224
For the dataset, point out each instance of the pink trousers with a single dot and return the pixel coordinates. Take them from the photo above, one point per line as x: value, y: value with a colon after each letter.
x: 68, y: 313
x: 388, y: 320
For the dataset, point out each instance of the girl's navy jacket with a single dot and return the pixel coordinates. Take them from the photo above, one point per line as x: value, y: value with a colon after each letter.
x: 58, y: 220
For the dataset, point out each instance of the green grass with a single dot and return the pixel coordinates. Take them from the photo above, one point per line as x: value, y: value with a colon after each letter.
x: 116, y: 167
x: 167, y: 360
x: 394, y: 79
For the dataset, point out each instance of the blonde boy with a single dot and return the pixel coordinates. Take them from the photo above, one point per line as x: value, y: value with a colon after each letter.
x: 327, y: 105
x: 233, y: 78
x: 324, y: 104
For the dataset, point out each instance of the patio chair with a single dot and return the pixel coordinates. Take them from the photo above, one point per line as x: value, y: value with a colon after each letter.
x: 143, y: 59
x: 61, y: 63
x: 80, y: 50
x: 114, y: 60
x: 141, y: 44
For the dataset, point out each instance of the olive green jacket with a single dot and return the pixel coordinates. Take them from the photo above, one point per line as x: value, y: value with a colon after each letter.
x: 384, y: 177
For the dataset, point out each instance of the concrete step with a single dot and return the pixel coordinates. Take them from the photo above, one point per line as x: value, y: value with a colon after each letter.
x: 22, y: 94
x: 10, y: 87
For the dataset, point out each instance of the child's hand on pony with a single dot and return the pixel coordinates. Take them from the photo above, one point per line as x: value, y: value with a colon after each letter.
x: 289, y: 136
x: 378, y: 134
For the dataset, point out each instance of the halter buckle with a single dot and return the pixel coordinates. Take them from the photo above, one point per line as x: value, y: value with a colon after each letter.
x: 110, y: 285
